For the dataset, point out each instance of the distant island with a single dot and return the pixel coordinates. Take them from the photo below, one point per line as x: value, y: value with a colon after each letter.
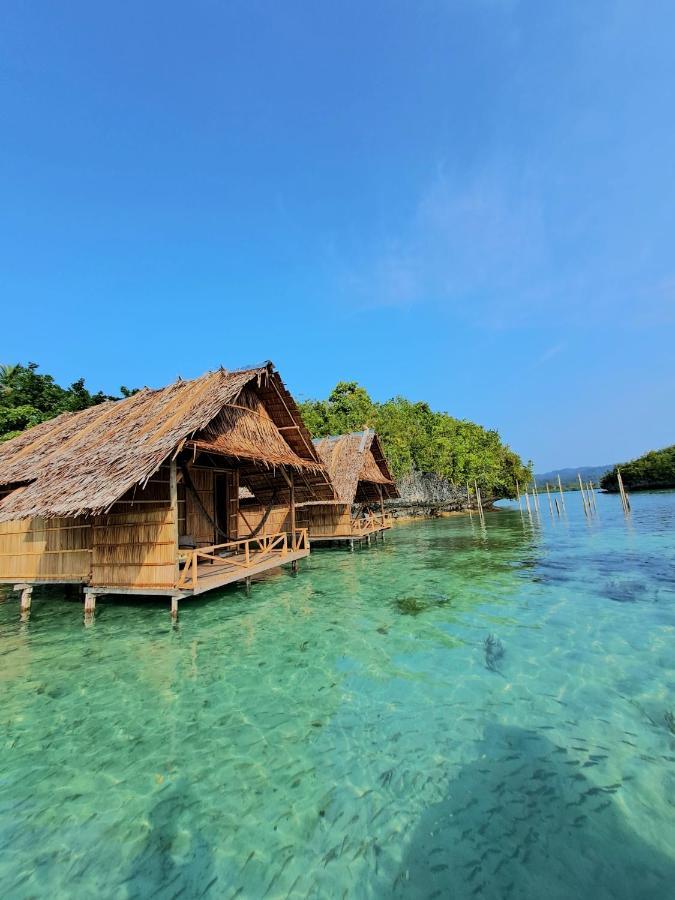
x: 651, y: 471
x: 569, y: 477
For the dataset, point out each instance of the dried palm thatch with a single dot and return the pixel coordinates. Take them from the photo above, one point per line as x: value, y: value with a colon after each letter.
x: 81, y: 463
x: 356, y: 465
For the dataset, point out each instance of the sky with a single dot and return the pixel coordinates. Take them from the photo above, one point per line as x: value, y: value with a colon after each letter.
x: 468, y: 202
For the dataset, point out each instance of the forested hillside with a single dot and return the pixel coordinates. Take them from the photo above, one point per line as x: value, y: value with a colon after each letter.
x: 27, y: 398
x: 417, y: 438
x: 655, y: 469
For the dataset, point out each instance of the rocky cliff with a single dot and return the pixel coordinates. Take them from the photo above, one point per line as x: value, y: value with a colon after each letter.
x: 426, y: 494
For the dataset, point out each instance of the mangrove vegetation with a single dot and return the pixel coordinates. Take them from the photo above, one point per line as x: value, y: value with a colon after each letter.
x: 650, y: 471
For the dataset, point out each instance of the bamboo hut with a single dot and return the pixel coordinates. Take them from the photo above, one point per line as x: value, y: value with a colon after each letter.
x: 142, y: 495
x: 362, y: 481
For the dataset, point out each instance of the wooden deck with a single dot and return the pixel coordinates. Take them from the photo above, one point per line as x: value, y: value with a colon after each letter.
x: 212, y: 567
x: 361, y: 529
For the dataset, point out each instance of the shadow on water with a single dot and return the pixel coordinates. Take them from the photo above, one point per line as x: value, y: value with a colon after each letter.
x: 173, y: 861
x: 526, y: 821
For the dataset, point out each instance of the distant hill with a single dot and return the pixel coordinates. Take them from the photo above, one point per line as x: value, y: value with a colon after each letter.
x: 569, y: 476
x: 655, y: 469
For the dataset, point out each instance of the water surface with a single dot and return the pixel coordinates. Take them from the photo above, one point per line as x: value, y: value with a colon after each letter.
x: 347, y: 733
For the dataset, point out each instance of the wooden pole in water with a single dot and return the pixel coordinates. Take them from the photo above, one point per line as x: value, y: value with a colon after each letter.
x: 479, y: 500
x: 550, y: 505
x: 557, y: 506
x: 520, y: 502
x: 583, y: 495
x: 562, y: 499
x: 535, y: 495
x: 527, y: 503
x: 624, y: 495
x: 591, y: 494
x: 468, y: 499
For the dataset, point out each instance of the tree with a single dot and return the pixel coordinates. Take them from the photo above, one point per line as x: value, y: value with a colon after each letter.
x: 27, y: 397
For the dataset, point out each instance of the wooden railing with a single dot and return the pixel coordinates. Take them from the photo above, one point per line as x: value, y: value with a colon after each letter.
x: 371, y: 522
x: 243, y: 554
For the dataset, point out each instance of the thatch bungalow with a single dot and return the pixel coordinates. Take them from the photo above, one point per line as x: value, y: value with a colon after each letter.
x: 141, y: 495
x: 362, y: 481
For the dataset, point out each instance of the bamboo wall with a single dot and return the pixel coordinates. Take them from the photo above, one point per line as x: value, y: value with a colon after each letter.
x: 45, y: 550
x: 134, y: 545
x: 278, y: 520
x: 329, y: 521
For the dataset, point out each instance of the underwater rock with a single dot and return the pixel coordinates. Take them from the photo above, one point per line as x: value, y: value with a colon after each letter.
x: 494, y: 651
x: 413, y: 606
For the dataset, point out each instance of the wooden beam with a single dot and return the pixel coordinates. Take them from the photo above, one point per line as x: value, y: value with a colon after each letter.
x: 173, y: 495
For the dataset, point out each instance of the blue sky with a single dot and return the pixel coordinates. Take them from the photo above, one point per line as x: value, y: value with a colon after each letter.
x: 470, y: 203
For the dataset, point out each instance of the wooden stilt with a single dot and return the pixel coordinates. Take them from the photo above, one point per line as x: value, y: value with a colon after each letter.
x: 26, y: 597
x: 247, y: 585
x: 351, y: 545
x: 527, y: 503
x: 174, y: 607
x: 294, y: 567
x: 89, y: 601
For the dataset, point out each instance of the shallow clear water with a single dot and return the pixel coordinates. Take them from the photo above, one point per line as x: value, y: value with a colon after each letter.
x: 342, y: 734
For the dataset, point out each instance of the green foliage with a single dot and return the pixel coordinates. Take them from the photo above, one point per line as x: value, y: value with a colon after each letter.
x: 415, y: 437
x: 655, y: 469
x: 28, y: 398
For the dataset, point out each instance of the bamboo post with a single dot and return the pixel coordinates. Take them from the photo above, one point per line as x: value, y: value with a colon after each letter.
x: 562, y: 498
x: 535, y: 495
x: 550, y: 505
x: 583, y: 495
x: 479, y: 500
x: 624, y: 496
x: 591, y: 494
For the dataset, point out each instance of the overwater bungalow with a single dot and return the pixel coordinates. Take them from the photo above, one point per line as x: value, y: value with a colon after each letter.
x: 362, y: 481
x: 142, y: 495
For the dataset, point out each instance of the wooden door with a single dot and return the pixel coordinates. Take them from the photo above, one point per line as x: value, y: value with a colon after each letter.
x: 227, y: 504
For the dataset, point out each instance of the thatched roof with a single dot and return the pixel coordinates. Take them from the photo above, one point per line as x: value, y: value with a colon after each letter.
x: 81, y: 463
x: 356, y: 465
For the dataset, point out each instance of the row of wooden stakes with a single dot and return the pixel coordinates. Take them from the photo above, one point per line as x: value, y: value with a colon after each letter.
x: 588, y: 498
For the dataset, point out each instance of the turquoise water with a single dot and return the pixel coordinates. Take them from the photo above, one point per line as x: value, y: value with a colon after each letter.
x: 348, y: 733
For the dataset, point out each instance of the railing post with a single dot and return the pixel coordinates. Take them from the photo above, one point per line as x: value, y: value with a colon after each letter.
x: 247, y: 555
